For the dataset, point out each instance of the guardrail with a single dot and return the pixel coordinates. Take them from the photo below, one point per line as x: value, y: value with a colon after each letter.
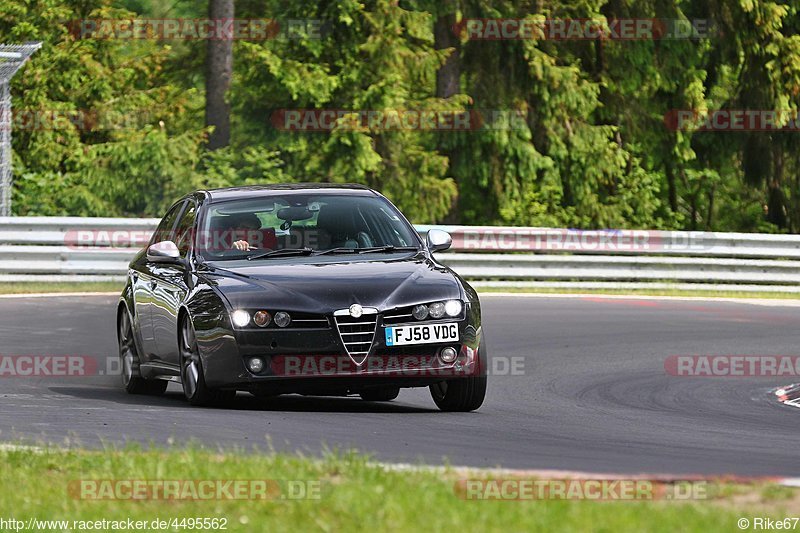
x: 91, y: 249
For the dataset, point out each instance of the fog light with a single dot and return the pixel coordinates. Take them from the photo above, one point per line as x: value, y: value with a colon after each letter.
x: 453, y: 307
x: 420, y: 312
x: 255, y: 365
x: 261, y: 318
x: 448, y: 354
x: 282, y: 319
x: 436, y: 310
x: 240, y: 318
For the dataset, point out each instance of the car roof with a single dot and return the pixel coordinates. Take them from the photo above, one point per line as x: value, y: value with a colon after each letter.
x: 256, y: 191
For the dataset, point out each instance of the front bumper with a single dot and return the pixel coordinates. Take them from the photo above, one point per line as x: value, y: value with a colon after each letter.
x: 315, y: 359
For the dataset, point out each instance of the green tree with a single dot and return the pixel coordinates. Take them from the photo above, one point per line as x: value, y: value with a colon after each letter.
x: 101, y: 133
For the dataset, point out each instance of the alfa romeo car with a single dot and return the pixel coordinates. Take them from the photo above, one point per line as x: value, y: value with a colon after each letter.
x: 298, y: 289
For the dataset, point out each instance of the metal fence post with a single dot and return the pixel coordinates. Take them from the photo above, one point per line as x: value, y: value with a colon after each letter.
x: 12, y: 57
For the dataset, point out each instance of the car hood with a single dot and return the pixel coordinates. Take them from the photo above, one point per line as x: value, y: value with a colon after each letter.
x: 324, y: 284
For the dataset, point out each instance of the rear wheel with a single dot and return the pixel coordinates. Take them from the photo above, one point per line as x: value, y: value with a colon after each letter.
x: 132, y: 380
x: 380, y: 395
x: 192, y: 379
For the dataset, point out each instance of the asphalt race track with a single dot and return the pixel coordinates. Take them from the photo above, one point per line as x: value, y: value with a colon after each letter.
x: 590, y: 393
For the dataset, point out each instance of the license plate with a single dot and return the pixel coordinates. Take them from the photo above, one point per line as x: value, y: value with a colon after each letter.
x: 422, y: 334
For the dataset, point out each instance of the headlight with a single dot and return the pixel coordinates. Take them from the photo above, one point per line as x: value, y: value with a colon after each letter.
x: 282, y: 319
x: 261, y: 318
x: 453, y: 307
x: 420, y: 312
x: 436, y: 310
x: 240, y: 318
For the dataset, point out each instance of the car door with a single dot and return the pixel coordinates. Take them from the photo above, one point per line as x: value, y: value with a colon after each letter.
x: 170, y: 289
x: 144, y: 278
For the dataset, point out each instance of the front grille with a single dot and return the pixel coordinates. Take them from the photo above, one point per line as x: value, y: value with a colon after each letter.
x: 357, y: 334
x: 398, y: 316
x: 414, y: 350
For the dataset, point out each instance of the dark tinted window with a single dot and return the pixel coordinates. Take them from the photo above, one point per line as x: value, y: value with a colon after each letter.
x: 184, y: 232
x: 320, y: 222
x: 164, y: 232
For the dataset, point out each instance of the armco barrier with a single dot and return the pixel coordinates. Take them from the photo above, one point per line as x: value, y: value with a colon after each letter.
x: 91, y: 249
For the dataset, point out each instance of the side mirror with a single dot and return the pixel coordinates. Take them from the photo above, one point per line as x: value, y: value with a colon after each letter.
x: 164, y: 252
x: 438, y: 240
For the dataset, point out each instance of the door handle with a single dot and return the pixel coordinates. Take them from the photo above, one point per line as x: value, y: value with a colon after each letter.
x: 135, y: 276
x: 153, y: 284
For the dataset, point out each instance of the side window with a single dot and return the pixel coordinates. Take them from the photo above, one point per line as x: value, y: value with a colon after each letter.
x: 164, y: 231
x: 184, y: 232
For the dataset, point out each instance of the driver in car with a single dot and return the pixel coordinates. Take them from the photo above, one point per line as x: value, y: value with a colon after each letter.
x: 243, y: 229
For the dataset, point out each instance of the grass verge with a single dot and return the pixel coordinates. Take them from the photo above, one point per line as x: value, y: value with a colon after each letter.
x: 353, y: 495
x: 27, y: 287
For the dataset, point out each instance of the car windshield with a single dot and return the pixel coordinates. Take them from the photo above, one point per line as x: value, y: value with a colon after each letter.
x: 283, y: 226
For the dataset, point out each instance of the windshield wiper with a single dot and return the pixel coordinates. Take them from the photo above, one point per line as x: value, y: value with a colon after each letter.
x: 390, y: 248
x: 284, y: 252
x: 370, y: 250
x: 340, y: 250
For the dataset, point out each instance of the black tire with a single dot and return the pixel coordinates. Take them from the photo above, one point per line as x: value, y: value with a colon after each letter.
x: 464, y: 394
x: 380, y: 395
x: 459, y: 395
x: 192, y: 376
x: 132, y: 380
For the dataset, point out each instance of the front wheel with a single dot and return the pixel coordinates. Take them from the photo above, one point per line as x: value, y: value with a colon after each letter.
x: 132, y: 380
x: 459, y: 395
x: 464, y: 394
x: 194, y: 382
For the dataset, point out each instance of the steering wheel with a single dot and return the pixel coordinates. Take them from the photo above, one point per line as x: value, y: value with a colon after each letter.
x: 364, y: 240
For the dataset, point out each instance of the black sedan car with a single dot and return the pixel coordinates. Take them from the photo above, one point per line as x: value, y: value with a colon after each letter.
x: 304, y: 288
